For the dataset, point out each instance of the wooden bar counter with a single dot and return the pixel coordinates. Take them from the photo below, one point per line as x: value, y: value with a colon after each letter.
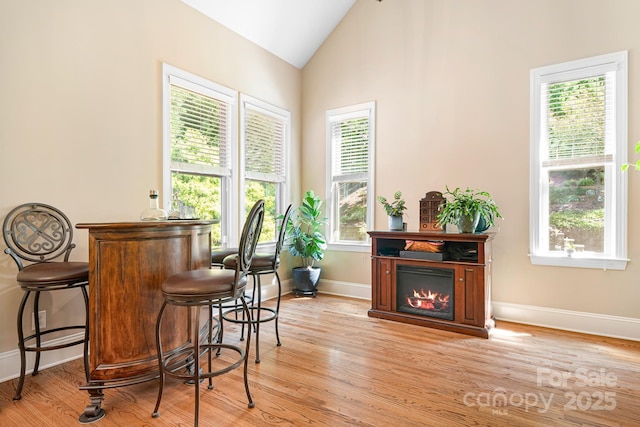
x: 128, y: 261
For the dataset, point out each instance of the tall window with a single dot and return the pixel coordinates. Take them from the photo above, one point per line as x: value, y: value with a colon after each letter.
x: 350, y: 146
x: 578, y: 144
x: 199, y: 124
x: 265, y: 136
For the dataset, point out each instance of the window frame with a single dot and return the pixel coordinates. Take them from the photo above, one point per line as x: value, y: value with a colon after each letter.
x: 615, y: 253
x: 229, y: 223
x: 369, y: 110
x: 282, y: 197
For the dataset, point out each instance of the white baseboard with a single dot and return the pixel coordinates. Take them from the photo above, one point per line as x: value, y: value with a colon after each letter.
x: 331, y: 287
x: 10, y: 360
x: 344, y: 289
x: 576, y: 321
x: 589, y: 323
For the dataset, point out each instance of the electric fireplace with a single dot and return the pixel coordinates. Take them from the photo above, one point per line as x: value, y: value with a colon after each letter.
x: 425, y: 291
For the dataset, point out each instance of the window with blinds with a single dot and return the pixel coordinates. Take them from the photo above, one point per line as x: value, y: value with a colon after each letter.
x: 578, y: 145
x: 264, y: 140
x: 577, y: 117
x: 350, y: 134
x: 199, y: 129
x: 199, y: 122
x: 350, y: 140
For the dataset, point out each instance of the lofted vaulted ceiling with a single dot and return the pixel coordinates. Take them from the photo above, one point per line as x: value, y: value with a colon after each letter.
x: 290, y: 29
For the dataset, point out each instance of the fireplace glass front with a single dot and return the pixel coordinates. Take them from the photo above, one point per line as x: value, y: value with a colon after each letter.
x: 425, y: 291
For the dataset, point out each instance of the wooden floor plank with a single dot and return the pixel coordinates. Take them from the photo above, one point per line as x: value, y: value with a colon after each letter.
x: 338, y: 367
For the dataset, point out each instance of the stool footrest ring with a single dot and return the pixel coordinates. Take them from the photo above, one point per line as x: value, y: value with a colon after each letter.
x: 271, y: 315
x: 171, y: 366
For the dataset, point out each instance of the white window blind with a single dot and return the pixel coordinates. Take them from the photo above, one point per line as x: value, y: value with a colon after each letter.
x: 578, y: 116
x: 199, y: 130
x: 350, y: 139
x: 265, y: 137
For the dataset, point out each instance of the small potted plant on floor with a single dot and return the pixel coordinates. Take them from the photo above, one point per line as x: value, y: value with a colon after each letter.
x: 465, y: 208
x: 306, y: 240
x: 394, y: 210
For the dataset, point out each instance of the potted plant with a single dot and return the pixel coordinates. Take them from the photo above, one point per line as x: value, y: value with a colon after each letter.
x: 306, y: 240
x: 394, y: 210
x: 465, y: 208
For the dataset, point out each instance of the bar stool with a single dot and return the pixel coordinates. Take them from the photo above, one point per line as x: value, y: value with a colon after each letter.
x: 217, y: 261
x: 262, y: 264
x: 38, y: 234
x: 208, y: 288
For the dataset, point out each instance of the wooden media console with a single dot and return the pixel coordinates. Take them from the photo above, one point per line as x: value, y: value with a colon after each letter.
x: 449, y: 289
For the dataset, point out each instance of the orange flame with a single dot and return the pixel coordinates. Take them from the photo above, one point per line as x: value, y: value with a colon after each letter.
x: 428, y: 300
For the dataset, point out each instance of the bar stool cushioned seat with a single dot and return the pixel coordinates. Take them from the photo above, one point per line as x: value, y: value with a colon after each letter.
x: 208, y: 288
x: 218, y: 256
x: 37, y: 235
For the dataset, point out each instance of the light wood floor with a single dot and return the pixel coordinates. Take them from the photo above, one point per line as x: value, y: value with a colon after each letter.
x: 338, y: 367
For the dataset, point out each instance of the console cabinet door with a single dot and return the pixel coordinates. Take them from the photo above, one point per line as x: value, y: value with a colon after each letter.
x: 382, y: 287
x: 472, y: 281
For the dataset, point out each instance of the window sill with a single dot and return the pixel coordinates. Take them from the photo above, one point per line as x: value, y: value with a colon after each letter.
x: 579, y: 261
x: 349, y: 247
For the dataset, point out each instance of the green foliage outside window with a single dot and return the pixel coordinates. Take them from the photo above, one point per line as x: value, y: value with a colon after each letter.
x: 352, y: 203
x: 593, y: 220
x: 576, y: 206
x: 203, y: 193
x: 254, y: 191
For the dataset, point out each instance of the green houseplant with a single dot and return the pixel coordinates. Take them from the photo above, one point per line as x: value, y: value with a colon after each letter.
x: 466, y: 208
x: 394, y: 210
x: 306, y: 240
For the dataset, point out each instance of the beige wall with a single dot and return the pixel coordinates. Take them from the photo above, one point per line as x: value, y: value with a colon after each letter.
x: 451, y: 83
x: 80, y: 109
x: 80, y: 115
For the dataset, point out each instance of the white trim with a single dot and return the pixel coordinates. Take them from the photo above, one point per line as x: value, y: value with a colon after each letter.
x: 574, y: 321
x: 350, y: 247
x: 576, y: 260
x: 345, y: 289
x: 10, y: 360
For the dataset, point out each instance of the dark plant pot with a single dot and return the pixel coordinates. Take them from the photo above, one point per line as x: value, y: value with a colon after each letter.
x: 483, y: 225
x: 306, y: 280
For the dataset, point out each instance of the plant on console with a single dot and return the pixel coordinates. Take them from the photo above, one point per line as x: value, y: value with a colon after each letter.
x: 395, y: 207
x: 464, y: 209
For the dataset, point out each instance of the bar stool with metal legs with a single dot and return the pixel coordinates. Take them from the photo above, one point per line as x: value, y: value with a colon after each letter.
x: 36, y: 236
x: 217, y: 261
x: 262, y: 264
x: 208, y: 288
